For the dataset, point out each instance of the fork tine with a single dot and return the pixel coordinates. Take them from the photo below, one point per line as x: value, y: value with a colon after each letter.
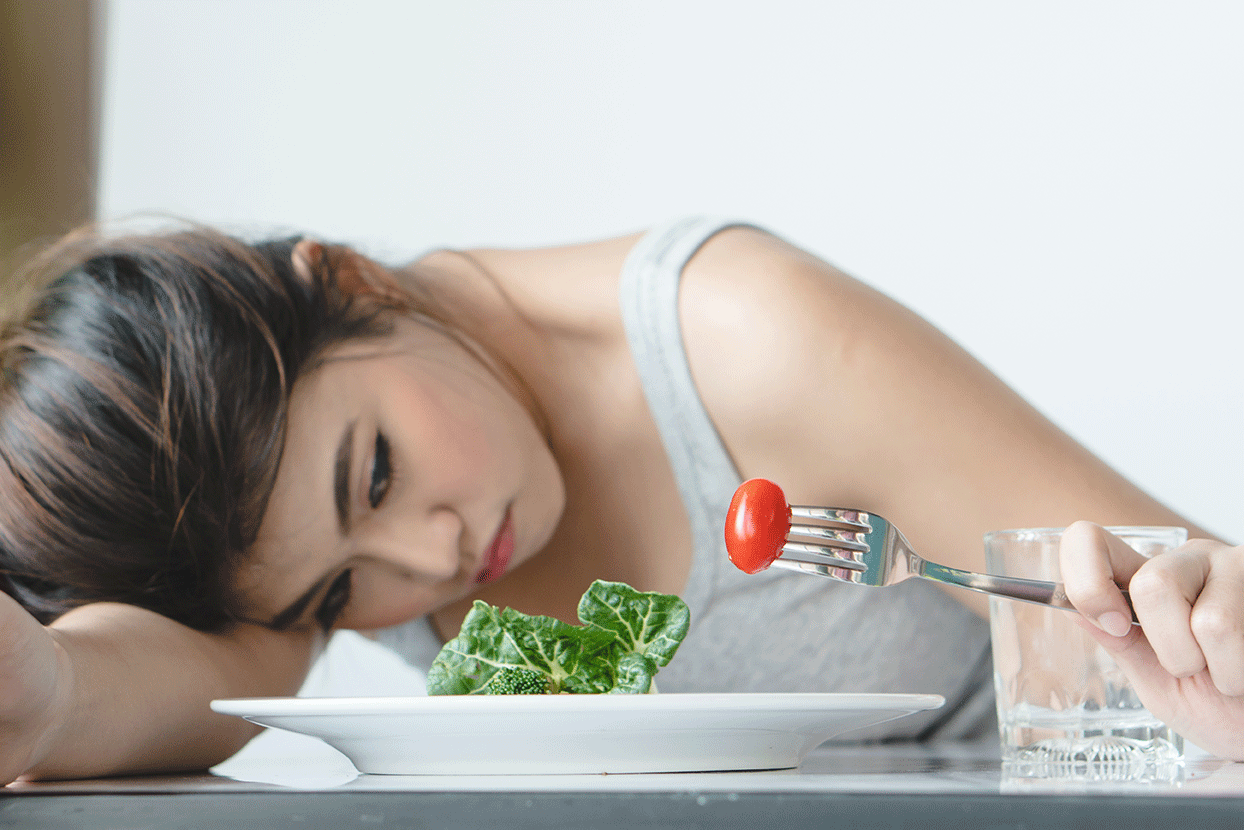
x: 845, y: 539
x: 833, y: 555
x: 851, y: 520
x: 820, y: 567
x: 836, y: 542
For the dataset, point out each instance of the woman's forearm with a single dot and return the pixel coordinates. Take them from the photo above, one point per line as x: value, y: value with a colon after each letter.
x: 133, y: 690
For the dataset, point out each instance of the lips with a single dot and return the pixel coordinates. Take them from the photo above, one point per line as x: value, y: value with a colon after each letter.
x: 497, y: 554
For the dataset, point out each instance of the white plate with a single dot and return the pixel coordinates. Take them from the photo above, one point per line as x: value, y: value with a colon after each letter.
x: 556, y: 734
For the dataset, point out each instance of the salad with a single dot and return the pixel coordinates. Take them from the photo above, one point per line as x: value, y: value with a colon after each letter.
x: 626, y: 636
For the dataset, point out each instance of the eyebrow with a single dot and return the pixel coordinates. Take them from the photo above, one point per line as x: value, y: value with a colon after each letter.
x: 341, y: 499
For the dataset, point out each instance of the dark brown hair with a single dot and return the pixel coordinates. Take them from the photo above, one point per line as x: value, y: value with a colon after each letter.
x: 143, y: 401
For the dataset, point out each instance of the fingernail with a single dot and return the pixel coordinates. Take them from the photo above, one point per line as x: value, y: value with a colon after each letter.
x: 1114, y: 623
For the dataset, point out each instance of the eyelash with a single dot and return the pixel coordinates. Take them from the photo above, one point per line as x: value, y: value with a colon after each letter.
x: 335, y: 601
x: 338, y: 594
x: 381, y: 472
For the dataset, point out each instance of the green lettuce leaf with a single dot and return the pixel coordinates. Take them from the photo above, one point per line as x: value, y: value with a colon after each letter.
x: 650, y: 624
x: 625, y: 638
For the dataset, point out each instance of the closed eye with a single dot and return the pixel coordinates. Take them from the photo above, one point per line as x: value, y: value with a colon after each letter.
x: 381, y: 472
x: 335, y: 600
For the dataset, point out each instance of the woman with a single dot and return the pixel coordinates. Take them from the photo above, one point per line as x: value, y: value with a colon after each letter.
x: 217, y: 451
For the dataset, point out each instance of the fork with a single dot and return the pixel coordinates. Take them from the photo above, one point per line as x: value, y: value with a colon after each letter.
x: 854, y: 546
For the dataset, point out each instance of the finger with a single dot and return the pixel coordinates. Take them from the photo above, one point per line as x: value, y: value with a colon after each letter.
x: 1217, y: 622
x: 1093, y: 563
x: 1163, y: 591
x: 1192, y: 707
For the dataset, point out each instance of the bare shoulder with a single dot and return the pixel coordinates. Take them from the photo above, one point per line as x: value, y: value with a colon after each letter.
x: 575, y: 257
x: 784, y: 348
x: 566, y: 286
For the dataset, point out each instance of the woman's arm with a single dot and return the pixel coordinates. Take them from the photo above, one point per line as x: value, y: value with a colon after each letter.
x: 847, y: 399
x: 110, y: 689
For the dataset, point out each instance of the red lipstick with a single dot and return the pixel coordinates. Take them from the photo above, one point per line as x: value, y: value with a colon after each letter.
x: 497, y: 554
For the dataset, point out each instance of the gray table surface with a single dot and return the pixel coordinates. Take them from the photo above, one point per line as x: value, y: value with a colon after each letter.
x: 892, y: 785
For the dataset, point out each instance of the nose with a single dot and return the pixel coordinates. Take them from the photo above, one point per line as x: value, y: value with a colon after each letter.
x: 428, y: 547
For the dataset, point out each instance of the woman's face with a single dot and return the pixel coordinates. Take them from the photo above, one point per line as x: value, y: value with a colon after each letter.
x: 410, y: 477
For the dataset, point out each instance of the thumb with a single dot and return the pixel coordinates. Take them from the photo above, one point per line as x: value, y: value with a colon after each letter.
x: 1094, y: 563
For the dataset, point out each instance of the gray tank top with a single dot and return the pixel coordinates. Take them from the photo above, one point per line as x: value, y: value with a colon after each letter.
x: 776, y: 631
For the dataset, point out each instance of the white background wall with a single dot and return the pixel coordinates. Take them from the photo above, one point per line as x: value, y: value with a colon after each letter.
x: 1059, y: 185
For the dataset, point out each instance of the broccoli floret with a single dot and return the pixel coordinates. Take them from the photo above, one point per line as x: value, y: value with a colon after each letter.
x: 515, y: 681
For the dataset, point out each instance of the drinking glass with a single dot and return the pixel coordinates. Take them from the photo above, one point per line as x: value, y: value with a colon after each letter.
x: 1064, y: 706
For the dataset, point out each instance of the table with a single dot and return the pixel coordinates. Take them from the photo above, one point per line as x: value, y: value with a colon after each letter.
x: 309, y: 786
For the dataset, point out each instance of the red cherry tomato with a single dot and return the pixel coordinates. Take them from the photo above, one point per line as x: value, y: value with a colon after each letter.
x: 756, y: 525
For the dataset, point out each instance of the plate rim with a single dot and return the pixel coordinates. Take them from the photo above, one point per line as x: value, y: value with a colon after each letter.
x: 695, y: 701
x: 386, y: 735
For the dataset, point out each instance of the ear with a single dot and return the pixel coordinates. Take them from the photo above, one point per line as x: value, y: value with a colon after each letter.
x: 306, y: 251
x: 354, y: 273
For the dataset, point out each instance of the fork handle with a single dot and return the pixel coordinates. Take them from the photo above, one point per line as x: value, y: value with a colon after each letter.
x: 1012, y: 587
